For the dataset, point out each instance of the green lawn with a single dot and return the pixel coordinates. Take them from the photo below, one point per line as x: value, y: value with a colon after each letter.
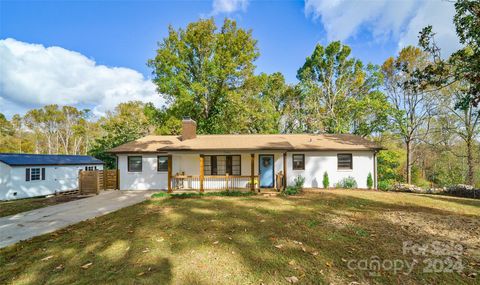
x: 253, y: 240
x: 13, y: 207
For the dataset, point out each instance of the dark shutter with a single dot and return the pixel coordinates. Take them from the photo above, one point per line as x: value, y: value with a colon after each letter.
x: 229, y: 165
x: 27, y: 174
x: 43, y: 173
x: 214, y: 165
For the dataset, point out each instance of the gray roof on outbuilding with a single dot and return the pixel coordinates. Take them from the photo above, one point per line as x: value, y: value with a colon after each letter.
x: 22, y: 159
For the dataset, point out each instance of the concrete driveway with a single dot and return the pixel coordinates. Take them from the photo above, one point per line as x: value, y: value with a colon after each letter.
x: 45, y: 220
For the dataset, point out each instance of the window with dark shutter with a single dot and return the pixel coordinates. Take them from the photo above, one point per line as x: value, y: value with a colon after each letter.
x: 134, y: 164
x: 344, y: 161
x: 298, y: 161
x: 162, y: 163
x: 222, y: 164
x: 43, y: 173
x: 27, y: 174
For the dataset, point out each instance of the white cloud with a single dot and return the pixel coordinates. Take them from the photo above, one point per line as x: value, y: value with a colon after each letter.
x: 228, y: 6
x: 32, y: 75
x: 397, y: 20
x: 438, y: 14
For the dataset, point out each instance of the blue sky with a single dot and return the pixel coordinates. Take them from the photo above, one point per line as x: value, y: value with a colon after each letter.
x: 58, y: 51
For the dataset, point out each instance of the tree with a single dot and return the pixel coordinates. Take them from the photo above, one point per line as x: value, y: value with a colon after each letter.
x: 201, y: 72
x: 58, y: 130
x: 464, y: 64
x: 266, y: 99
x: 413, y: 108
x: 462, y: 121
x: 6, y: 128
x: 340, y: 94
x: 126, y: 123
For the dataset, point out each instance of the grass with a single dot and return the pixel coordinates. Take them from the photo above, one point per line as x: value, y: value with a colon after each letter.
x: 13, y: 207
x: 252, y: 240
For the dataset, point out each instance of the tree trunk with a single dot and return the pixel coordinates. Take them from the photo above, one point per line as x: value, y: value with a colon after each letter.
x: 470, y: 163
x: 409, y: 162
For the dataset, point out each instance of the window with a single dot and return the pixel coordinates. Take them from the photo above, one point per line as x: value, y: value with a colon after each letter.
x: 298, y: 161
x: 221, y: 165
x: 90, y: 168
x: 33, y: 174
x: 344, y: 161
x: 162, y: 163
x: 134, y: 164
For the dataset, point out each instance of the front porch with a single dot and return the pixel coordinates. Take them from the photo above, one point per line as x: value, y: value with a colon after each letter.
x: 184, y: 181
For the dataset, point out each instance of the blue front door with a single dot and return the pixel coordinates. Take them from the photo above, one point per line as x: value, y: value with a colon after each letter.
x: 266, y: 170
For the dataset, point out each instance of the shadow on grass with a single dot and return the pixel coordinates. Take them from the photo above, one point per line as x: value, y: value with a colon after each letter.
x: 221, y: 241
x: 458, y: 200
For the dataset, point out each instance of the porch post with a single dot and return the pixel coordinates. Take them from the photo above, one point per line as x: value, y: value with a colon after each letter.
x: 284, y: 170
x: 169, y: 180
x: 375, y: 182
x: 252, y: 172
x: 201, y: 172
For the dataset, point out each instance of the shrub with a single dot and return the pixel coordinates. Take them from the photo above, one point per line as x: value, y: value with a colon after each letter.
x: 385, y: 185
x: 291, y: 190
x: 347, y: 182
x: 296, y: 188
x: 325, y: 181
x: 299, y: 181
x: 369, y: 181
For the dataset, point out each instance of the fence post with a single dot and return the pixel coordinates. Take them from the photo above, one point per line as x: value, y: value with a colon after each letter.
x: 104, y: 179
x: 97, y: 174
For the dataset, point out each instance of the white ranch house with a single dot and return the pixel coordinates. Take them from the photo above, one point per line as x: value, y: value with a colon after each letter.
x: 33, y: 175
x: 217, y: 162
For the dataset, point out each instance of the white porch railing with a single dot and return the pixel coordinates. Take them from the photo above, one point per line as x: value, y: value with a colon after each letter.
x: 213, y: 182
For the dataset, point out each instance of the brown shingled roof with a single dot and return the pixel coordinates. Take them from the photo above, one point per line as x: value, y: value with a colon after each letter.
x: 248, y: 142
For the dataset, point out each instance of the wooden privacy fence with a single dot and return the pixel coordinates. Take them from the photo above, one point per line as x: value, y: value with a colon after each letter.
x: 91, y: 182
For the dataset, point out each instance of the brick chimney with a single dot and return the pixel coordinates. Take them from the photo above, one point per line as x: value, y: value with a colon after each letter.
x: 189, y: 129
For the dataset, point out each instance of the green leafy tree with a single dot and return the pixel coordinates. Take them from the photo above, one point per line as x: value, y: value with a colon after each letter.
x: 126, y: 123
x: 458, y: 122
x: 6, y: 128
x: 464, y: 64
x: 340, y: 94
x: 413, y: 109
x: 201, y: 71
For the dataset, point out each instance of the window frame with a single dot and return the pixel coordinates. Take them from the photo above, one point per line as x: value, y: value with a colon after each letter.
x: 338, y: 161
x: 158, y: 163
x: 303, y: 161
x: 128, y: 163
x: 38, y: 176
x: 213, y: 164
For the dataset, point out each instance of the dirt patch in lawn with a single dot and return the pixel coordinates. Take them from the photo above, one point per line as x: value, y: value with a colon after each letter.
x: 13, y: 207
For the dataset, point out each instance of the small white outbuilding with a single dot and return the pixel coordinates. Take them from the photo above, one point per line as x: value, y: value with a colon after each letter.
x: 33, y: 175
